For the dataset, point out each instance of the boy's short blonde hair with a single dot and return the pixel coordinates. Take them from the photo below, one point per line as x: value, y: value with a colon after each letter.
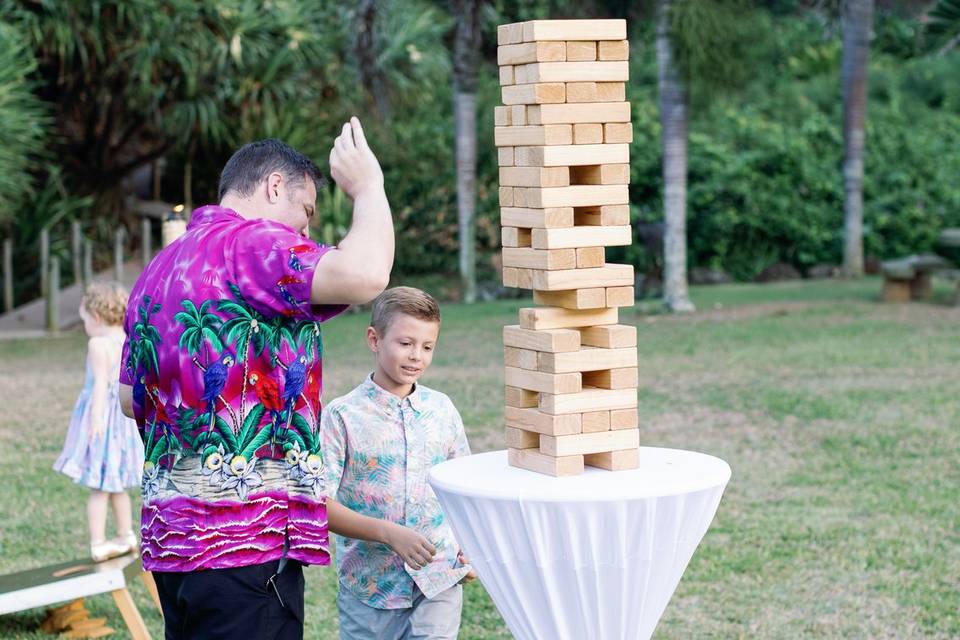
x: 106, y: 301
x: 406, y: 300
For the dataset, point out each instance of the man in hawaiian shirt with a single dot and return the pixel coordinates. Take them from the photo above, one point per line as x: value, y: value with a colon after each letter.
x: 223, y: 372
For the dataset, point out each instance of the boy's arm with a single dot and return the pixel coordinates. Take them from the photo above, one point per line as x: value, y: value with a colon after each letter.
x: 412, y: 547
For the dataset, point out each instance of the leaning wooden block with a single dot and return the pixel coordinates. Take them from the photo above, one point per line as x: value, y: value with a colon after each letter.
x: 554, y: 217
x: 571, y: 155
x: 616, y: 336
x: 572, y: 196
x: 590, y: 258
x: 593, y: 421
x: 507, y: 76
x: 521, y: 398
x: 506, y: 196
x: 521, y: 358
x: 572, y: 72
x: 510, y: 33
x: 533, y: 460
x: 619, y: 296
x: 622, y: 378
x: 622, y: 460
x: 551, y: 340
x: 520, y: 439
x: 574, y: 30
x: 533, y: 135
x: 588, y: 400
x: 536, y: 420
x: 611, y: 91
x: 535, y: 176
x: 584, y: 443
x: 539, y: 318
x: 575, y: 237
x: 624, y: 419
x: 617, y: 132
x: 607, y: 174
x: 582, y: 92
x: 526, y: 258
x: 581, y: 51
x: 542, y: 382
x: 613, y: 50
x: 510, y: 277
x: 531, y: 52
x: 589, y: 360
x: 610, y: 215
x: 505, y: 156
x: 572, y: 299
x: 611, y: 275
x: 514, y: 237
x: 543, y: 93
x: 501, y: 116
x: 574, y: 113
x: 587, y: 133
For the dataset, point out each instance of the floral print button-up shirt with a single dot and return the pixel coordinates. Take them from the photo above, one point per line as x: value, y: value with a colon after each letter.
x: 223, y: 352
x: 378, y: 450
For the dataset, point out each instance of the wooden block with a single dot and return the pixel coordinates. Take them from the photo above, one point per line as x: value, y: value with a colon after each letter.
x: 510, y: 277
x: 605, y: 174
x: 538, y: 318
x: 535, y: 176
x: 518, y: 114
x: 620, y: 296
x: 593, y: 421
x: 514, y: 237
x: 520, y: 439
x: 510, y: 33
x: 582, y: 92
x: 617, y: 336
x: 571, y: 155
x: 588, y: 133
x: 574, y: 237
x: 521, y: 398
x: 549, y: 134
x: 617, y: 132
x: 611, y: 91
x: 624, y: 419
x: 544, y: 93
x: 581, y: 51
x: 520, y: 358
x: 525, y: 258
x: 572, y: 299
x: 588, y: 400
x: 625, y: 378
x: 588, y: 359
x: 575, y: 113
x: 552, y: 341
x: 572, y: 196
x: 506, y: 196
x: 506, y: 76
x: 610, y: 215
x: 622, y: 460
x: 525, y: 278
x: 542, y: 382
x: 552, y: 218
x: 613, y: 50
x: 618, y: 71
x: 501, y: 116
x: 532, y: 52
x: 533, y: 460
x: 574, y: 30
x: 505, y: 156
x: 584, y: 443
x: 590, y: 258
x: 535, y: 420
x: 611, y: 275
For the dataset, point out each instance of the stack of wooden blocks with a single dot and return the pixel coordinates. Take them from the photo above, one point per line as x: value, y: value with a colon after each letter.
x: 563, y: 137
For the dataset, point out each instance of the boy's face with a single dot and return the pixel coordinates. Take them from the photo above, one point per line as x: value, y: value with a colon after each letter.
x: 405, y: 350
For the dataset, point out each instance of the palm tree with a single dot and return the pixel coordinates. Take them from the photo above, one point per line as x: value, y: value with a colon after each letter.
x: 857, y: 22
x: 200, y: 328
x: 673, y: 122
x: 945, y: 22
x: 242, y: 329
x: 143, y: 348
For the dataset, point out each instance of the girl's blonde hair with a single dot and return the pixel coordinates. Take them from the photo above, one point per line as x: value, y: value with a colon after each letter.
x: 106, y: 301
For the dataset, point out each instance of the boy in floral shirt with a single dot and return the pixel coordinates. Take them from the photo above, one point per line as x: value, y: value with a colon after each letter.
x: 379, y: 443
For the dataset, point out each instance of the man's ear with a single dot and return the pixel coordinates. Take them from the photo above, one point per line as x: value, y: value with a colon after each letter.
x: 274, y: 182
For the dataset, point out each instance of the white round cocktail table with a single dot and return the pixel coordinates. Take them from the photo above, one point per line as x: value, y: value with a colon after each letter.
x: 595, y: 556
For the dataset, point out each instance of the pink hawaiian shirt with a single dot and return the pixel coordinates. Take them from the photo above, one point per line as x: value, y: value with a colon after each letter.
x: 223, y: 353
x: 379, y: 450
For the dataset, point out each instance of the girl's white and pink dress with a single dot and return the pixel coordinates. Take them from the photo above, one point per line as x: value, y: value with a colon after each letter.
x: 113, y: 462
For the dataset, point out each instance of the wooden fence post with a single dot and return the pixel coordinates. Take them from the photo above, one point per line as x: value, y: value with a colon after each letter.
x: 146, y: 241
x: 118, y: 255
x: 44, y: 261
x: 76, y: 246
x: 53, y: 297
x: 8, y: 275
x: 87, y: 260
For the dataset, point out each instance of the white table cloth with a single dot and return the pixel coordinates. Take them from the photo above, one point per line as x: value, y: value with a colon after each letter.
x: 590, y: 557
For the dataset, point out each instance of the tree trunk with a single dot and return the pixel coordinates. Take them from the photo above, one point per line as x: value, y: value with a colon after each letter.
x: 466, y: 50
x: 673, y: 124
x: 371, y: 76
x: 857, y: 22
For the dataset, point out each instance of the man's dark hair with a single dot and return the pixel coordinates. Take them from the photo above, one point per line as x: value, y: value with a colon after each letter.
x: 253, y: 162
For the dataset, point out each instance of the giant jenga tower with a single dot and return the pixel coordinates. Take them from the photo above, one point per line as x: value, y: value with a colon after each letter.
x: 563, y: 139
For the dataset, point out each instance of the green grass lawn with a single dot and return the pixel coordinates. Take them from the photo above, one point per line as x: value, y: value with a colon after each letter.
x: 839, y: 416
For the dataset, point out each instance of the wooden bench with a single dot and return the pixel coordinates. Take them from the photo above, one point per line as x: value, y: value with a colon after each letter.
x: 910, y: 278
x: 45, y: 586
